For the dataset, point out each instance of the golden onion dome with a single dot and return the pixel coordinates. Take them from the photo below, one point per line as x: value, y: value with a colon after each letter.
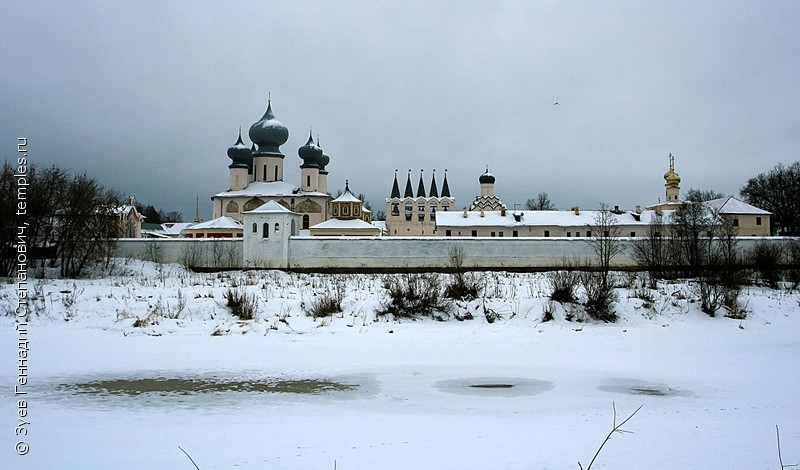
x: 671, y: 177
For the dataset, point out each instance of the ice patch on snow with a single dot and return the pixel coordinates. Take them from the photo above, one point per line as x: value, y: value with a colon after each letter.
x: 495, y: 386
x: 640, y: 387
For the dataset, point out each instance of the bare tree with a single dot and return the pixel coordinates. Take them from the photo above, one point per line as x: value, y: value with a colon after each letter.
x: 604, y: 238
x: 652, y: 252
x: 542, y: 202
x: 605, y: 243
x: 777, y: 191
x: 86, y: 225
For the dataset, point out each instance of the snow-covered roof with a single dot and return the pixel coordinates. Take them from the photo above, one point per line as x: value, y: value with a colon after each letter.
x: 223, y: 222
x: 126, y: 209
x: 350, y: 224
x: 175, y: 228
x: 269, y: 207
x: 731, y: 205
x: 537, y: 218
x: 271, y: 188
x: 347, y: 196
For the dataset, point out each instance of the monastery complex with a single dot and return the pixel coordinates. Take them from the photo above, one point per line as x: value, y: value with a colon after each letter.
x: 257, y: 185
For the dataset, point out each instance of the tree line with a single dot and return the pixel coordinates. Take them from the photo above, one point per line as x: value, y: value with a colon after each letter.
x: 70, y: 220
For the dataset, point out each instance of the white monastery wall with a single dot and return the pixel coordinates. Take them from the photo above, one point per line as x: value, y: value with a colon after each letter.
x: 386, y: 253
x: 205, y: 252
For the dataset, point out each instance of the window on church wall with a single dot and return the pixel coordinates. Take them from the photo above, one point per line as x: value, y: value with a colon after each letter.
x: 265, y: 172
x: 345, y: 210
x: 276, y: 173
x: 445, y: 206
x: 265, y: 234
x: 758, y: 220
x: 395, y: 209
x: 474, y: 233
x: 433, y: 211
x: 306, y: 221
x: 277, y: 228
x: 735, y: 222
x: 409, y: 210
x: 421, y: 212
x: 308, y: 180
x: 255, y: 227
x: 335, y: 210
x: 356, y: 210
x: 232, y: 208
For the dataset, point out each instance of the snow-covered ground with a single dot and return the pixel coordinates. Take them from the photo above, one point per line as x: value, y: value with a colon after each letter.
x: 517, y: 393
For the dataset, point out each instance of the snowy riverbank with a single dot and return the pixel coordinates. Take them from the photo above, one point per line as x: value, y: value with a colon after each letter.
x: 518, y: 393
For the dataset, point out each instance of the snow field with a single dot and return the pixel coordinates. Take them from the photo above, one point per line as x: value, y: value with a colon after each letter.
x: 712, y: 389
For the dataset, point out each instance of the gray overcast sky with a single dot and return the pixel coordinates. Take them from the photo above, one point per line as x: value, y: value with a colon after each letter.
x: 148, y: 96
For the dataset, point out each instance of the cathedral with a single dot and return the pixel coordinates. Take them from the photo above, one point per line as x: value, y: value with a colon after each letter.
x: 256, y: 175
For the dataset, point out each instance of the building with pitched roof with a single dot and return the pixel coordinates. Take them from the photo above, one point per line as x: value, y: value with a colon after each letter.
x: 349, y: 218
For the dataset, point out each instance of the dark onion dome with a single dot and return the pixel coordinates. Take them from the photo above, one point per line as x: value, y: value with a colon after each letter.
x: 486, y: 177
x: 310, y: 153
x: 324, y: 159
x: 239, y: 153
x: 269, y: 133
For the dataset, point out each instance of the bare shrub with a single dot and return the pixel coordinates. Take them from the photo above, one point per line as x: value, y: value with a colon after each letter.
x: 564, y: 284
x: 153, y: 251
x: 793, y: 259
x: 547, y: 311
x: 462, y: 285
x: 711, y: 295
x: 191, y: 255
x: 732, y: 301
x: 414, y: 295
x: 241, y: 303
x: 767, y: 258
x: 326, y: 304
x: 600, y: 296
x: 217, y: 253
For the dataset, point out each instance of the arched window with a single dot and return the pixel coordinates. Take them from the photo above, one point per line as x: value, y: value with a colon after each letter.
x: 266, y: 230
x: 409, y: 210
x: 255, y: 227
x: 421, y: 211
x: 277, y: 227
x: 232, y: 208
x: 445, y: 206
x: 276, y: 173
x: 294, y: 227
x: 305, y: 221
x: 433, y: 210
x: 395, y: 209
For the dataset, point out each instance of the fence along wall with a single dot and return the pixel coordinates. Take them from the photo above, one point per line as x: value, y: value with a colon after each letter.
x: 387, y: 253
